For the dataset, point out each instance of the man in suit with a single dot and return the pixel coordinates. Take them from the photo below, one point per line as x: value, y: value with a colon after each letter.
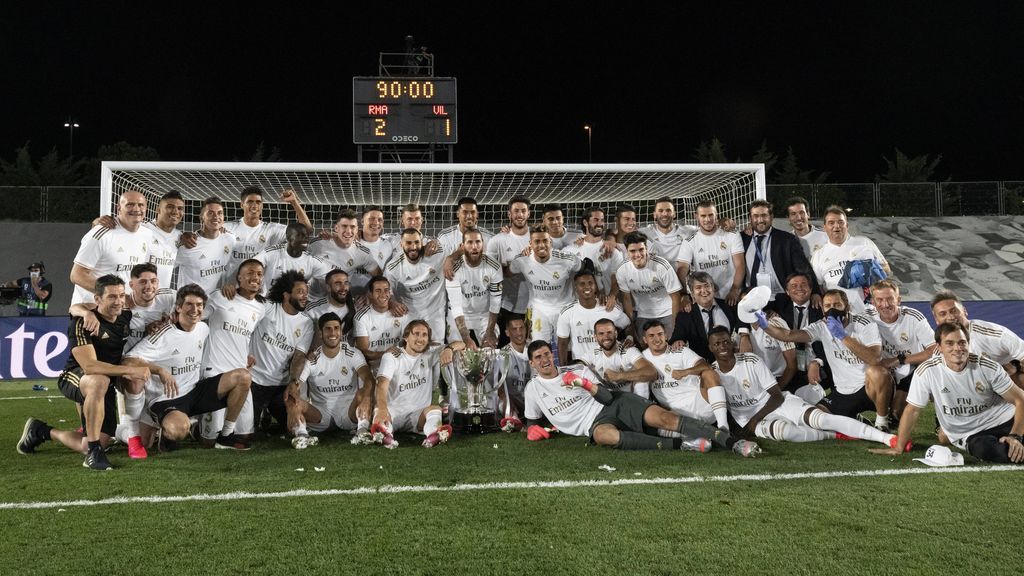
x: 797, y: 310
x: 771, y: 255
x: 692, y: 327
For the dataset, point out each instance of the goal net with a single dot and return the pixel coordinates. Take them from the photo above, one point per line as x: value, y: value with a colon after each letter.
x: 324, y: 189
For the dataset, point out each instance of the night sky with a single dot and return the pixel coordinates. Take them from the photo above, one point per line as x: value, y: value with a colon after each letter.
x: 840, y: 83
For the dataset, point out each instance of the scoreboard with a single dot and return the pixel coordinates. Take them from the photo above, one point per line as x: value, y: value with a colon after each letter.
x: 393, y: 110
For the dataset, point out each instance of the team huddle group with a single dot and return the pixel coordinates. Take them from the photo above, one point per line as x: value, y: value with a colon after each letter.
x: 655, y: 337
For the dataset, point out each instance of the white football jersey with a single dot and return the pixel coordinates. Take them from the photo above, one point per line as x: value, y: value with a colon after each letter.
x: 996, y: 342
x: 381, y: 249
x: 966, y: 402
x: 909, y: 334
x: 847, y: 369
x: 317, y: 309
x: 829, y: 263
x: 163, y: 252
x: 712, y: 253
x: 567, y: 239
x: 420, y: 285
x: 277, y: 336
x: 621, y: 359
x: 451, y: 238
x: 475, y: 291
x: 180, y: 352
x: 650, y: 287
x: 206, y: 264
x: 411, y: 378
x: 504, y: 248
x: 550, y: 282
x: 161, y: 307
x: 252, y: 240
x: 518, y: 374
x: 571, y: 410
x: 812, y: 241
x: 604, y: 268
x: 332, y: 383
x: 357, y: 260
x: 232, y: 323
x: 666, y: 244
x: 769, y: 349
x: 676, y: 395
x: 577, y: 324
x: 276, y: 261
x: 746, y: 386
x: 381, y: 328
x: 106, y: 251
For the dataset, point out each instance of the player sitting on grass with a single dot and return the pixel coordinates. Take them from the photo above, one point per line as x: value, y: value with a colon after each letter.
x: 339, y: 388
x: 756, y: 402
x: 574, y: 404
x: 405, y: 387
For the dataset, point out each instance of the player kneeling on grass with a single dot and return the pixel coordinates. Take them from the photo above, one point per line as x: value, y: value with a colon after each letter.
x: 175, y: 392
x: 756, y: 402
x: 334, y: 396
x: 976, y: 402
x: 405, y: 388
x: 573, y: 403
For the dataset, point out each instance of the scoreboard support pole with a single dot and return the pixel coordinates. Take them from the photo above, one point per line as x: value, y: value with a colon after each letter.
x: 404, y: 153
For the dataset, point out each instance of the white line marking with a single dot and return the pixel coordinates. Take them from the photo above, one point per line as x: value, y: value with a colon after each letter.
x: 502, y: 486
x: 28, y: 397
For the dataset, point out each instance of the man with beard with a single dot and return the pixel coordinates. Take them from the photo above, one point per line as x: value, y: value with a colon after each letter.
x: 597, y: 245
x: 232, y: 323
x: 379, y: 326
x: 339, y: 300
x: 571, y: 402
x: 405, y: 388
x: 510, y: 396
x: 986, y: 338
x: 339, y: 389
x: 256, y: 235
x: 978, y: 407
x: 772, y: 255
x: 829, y: 262
x: 620, y: 367
x: 665, y: 235
x: 418, y: 281
x: 372, y: 235
x: 294, y: 255
x: 342, y: 251
x: 475, y: 294
x: 853, y: 347
x: 554, y: 219
x: 90, y: 371
x: 279, y: 345
x: 649, y: 286
x: 504, y: 248
x: 450, y: 238
x: 685, y: 384
x: 163, y: 252
x: 548, y: 272
x: 576, y: 321
x: 907, y: 339
x: 206, y: 263
x: 715, y: 251
x: 112, y: 251
x: 758, y: 405
x: 177, y: 390
x: 625, y: 224
x: 811, y: 237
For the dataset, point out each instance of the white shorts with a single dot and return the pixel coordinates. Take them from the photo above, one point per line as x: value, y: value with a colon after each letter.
x: 337, y: 418
x: 792, y: 409
x: 406, y: 421
x: 543, y: 323
x: 477, y: 324
x: 691, y: 403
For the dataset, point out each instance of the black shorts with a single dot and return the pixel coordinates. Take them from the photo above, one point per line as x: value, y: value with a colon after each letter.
x: 904, y: 384
x: 848, y: 405
x: 199, y: 400
x: 270, y: 398
x: 626, y: 412
x: 68, y: 384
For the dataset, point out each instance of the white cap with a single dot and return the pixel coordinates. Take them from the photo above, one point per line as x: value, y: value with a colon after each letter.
x: 754, y: 301
x: 938, y: 455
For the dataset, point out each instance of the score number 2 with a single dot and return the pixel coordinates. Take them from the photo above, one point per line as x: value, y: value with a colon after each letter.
x: 379, y: 125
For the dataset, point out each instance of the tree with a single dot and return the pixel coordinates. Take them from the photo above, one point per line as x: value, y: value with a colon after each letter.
x: 260, y: 155
x: 765, y: 156
x: 126, y: 152
x: 710, y: 152
x: 789, y: 172
x: 907, y: 169
x: 50, y: 170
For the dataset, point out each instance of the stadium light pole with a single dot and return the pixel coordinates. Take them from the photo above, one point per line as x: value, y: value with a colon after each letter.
x: 590, y: 140
x: 71, y: 125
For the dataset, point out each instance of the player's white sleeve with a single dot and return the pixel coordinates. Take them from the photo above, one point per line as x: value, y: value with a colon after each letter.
x: 454, y: 289
x: 532, y: 409
x: 494, y: 290
x: 563, y: 329
x: 685, y: 253
x: 90, y: 251
x: 736, y: 243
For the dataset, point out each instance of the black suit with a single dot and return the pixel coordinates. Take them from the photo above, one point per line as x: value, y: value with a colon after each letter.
x: 784, y: 307
x: 691, y: 328
x: 786, y: 256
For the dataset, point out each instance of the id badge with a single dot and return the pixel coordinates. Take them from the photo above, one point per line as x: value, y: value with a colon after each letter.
x: 764, y: 279
x: 801, y: 360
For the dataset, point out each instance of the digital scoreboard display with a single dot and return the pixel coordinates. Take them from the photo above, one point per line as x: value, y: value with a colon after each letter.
x: 390, y: 110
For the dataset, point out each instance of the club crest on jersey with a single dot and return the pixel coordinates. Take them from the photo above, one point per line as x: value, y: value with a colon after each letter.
x: 723, y: 246
x: 397, y: 323
x: 298, y: 332
x: 263, y: 239
x: 487, y: 279
x: 349, y: 263
x: 227, y: 250
x: 554, y: 275
x: 746, y: 384
x: 344, y: 370
x: 904, y: 337
x: 668, y: 368
x: 979, y: 387
x: 143, y: 246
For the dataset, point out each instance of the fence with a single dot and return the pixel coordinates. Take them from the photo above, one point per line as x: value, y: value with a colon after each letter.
x: 925, y: 199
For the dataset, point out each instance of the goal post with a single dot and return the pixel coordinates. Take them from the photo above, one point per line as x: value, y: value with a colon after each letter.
x: 324, y: 189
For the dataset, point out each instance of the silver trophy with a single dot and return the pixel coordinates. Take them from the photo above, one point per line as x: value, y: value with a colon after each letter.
x: 474, y: 381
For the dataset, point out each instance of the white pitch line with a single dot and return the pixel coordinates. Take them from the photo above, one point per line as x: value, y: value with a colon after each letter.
x: 501, y: 486
x: 28, y: 397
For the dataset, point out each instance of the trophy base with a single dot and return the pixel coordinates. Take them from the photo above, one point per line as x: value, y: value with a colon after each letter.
x: 466, y: 423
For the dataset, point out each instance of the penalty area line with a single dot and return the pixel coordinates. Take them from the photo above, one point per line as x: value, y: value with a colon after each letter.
x: 371, y: 490
x: 28, y: 397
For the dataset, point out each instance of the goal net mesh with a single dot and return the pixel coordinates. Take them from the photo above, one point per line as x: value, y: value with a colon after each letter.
x: 324, y: 189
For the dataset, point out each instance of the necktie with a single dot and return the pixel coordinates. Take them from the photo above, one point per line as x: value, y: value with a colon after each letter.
x: 757, y: 259
x: 799, y: 323
x: 711, y: 318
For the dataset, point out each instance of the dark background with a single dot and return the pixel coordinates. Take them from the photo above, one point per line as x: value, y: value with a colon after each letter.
x: 841, y: 84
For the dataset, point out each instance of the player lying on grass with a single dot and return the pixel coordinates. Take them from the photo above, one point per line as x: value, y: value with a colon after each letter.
x: 978, y: 407
x: 339, y: 389
x: 573, y: 403
x: 758, y: 404
x: 405, y: 388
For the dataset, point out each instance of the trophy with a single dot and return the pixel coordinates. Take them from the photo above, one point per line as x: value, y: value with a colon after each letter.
x: 473, y: 383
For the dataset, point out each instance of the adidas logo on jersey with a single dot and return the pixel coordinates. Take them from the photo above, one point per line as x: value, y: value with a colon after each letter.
x: 175, y: 351
x: 944, y: 390
x: 202, y: 256
x: 120, y: 249
x: 105, y: 336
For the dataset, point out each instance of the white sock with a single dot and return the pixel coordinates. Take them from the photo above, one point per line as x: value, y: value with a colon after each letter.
x: 122, y: 431
x: 669, y: 433
x: 300, y: 429
x: 716, y: 397
x: 228, y: 429
x: 432, y: 422
x: 362, y: 424
x: 854, y: 428
x: 881, y: 421
x: 133, y: 405
x: 778, y: 429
